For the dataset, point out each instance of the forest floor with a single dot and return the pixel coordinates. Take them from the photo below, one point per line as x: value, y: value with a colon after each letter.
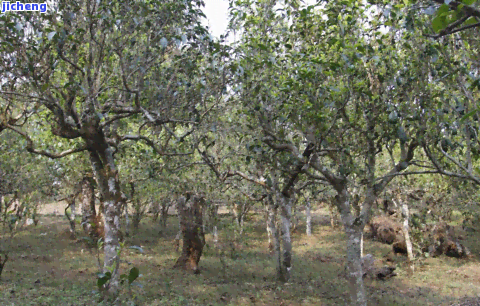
x: 45, y: 267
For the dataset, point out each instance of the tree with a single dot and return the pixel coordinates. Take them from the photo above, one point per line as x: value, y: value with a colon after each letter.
x: 321, y: 96
x: 86, y: 67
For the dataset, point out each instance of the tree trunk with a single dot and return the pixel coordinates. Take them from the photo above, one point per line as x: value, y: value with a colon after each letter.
x: 354, y: 266
x: 361, y: 245
x: 155, y: 210
x: 406, y: 230
x: 71, y: 216
x: 178, y: 237
x: 285, y: 213
x: 293, y: 218
x: 333, y: 214
x: 192, y: 233
x: 215, y: 237
x: 277, y: 247
x: 138, y: 211
x: 127, y: 220
x: 353, y: 229
x: 271, y: 230
x: 239, y: 213
x: 212, y: 213
x: 90, y: 222
x: 3, y: 261
x: 309, y: 217
x: 109, y: 185
x: 165, y: 206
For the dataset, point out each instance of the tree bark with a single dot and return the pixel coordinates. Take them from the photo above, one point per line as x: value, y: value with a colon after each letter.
x: 406, y: 233
x: 155, y: 210
x: 165, y: 206
x: 138, y: 211
x: 353, y: 229
x: 108, y: 183
x: 90, y: 221
x: 276, y: 242
x: 354, y: 266
x: 239, y: 211
x: 271, y: 230
x: 285, y: 213
x: 333, y: 213
x: 309, y: 217
x: 71, y: 216
x: 192, y: 232
x: 215, y: 237
x: 3, y: 261
x: 127, y: 220
x: 178, y: 237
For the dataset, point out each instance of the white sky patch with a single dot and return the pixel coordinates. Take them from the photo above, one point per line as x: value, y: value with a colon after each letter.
x: 217, y: 16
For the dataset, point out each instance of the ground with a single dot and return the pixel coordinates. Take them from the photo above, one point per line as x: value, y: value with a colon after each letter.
x: 48, y: 268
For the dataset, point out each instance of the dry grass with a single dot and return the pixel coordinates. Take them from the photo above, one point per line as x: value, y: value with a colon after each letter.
x: 46, y: 268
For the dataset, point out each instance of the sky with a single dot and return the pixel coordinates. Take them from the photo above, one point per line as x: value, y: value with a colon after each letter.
x: 217, y: 16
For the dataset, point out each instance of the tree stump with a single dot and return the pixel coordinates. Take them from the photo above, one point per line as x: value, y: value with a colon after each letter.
x: 193, y: 236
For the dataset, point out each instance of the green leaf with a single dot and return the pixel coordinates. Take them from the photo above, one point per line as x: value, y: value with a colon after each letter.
x: 263, y: 47
x: 103, y: 278
x: 438, y: 23
x: 470, y: 21
x: 477, y: 169
x: 469, y: 2
x: 451, y: 17
x: 133, y: 275
x: 101, y: 281
x: 443, y: 9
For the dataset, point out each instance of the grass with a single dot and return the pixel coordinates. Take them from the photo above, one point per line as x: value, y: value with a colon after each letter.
x: 47, y: 268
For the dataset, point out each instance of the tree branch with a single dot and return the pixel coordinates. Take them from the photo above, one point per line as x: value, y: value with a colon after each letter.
x: 31, y: 149
x: 151, y: 144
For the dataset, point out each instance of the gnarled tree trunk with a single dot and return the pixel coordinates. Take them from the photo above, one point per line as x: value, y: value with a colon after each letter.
x: 90, y: 221
x: 108, y: 183
x: 190, y: 209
